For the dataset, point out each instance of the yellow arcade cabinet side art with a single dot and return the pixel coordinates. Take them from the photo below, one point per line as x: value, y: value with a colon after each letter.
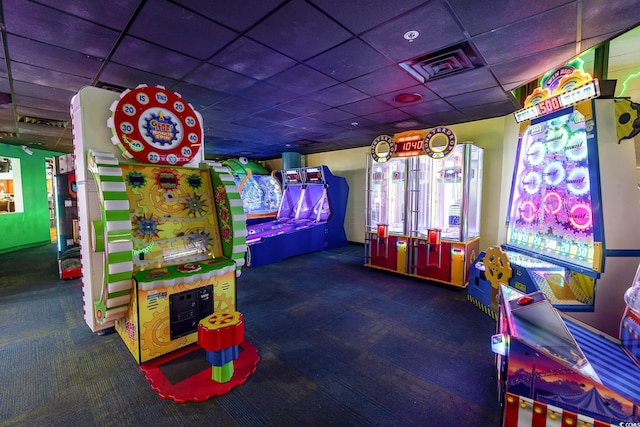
x: 162, y: 233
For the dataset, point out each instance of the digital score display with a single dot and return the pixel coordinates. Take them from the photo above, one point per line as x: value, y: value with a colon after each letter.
x: 407, y: 146
x: 557, y: 103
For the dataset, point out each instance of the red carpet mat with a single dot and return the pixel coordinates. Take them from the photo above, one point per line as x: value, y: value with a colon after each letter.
x: 185, y: 375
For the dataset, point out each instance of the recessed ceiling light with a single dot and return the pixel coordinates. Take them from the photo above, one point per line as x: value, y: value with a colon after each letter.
x: 407, y: 98
x: 411, y: 35
x: 354, y: 124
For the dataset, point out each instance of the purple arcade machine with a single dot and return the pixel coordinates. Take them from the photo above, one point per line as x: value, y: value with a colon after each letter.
x: 310, y: 218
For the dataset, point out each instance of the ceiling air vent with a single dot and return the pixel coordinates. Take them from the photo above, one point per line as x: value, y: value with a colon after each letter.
x: 445, y: 62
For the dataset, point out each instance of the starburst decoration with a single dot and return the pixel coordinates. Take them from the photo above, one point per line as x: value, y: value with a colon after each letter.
x: 145, y: 228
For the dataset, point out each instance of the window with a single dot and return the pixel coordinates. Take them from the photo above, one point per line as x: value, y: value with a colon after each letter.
x: 10, y: 186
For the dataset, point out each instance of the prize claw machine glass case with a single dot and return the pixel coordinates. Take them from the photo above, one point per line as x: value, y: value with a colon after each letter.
x: 423, y: 206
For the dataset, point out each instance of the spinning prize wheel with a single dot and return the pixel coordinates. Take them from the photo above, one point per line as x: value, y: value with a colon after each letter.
x: 154, y: 125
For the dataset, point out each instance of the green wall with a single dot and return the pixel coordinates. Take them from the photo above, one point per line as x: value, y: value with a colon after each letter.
x: 29, y: 228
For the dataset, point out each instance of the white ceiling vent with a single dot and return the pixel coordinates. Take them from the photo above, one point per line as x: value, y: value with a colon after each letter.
x: 445, y: 62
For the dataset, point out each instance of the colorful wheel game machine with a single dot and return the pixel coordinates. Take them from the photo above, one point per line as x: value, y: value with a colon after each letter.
x: 423, y: 200
x: 574, y: 184
x: 66, y: 207
x: 310, y: 218
x: 260, y: 190
x: 162, y: 237
x: 554, y: 370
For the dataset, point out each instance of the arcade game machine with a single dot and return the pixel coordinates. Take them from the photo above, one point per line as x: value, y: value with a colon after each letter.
x: 66, y: 206
x: 554, y: 370
x: 574, y: 185
x: 260, y: 190
x: 310, y: 218
x: 162, y: 237
x: 423, y: 205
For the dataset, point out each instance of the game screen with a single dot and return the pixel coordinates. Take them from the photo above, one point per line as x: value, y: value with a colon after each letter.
x: 313, y: 175
x: 292, y: 176
x: 551, y: 207
x: 260, y: 194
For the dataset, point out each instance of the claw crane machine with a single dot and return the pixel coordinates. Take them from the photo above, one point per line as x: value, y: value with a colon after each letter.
x: 423, y: 205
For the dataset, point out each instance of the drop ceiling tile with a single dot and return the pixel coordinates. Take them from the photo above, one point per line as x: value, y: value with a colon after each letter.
x: 349, y: 60
x: 176, y: 28
x: 265, y: 94
x: 55, y: 58
x: 219, y: 79
x: 253, y: 122
x: 388, y: 116
x: 608, y: 17
x: 240, y: 105
x: 386, y: 80
x: 478, y: 97
x: 302, y: 106
x: 288, y: 28
x: 234, y: 14
x: 442, y: 118
x: 466, y: 81
x: 552, y: 29
x: 50, y: 105
x: 40, y: 23
x: 496, y: 109
x: 355, y: 123
x: 366, y: 106
x: 479, y: 17
x: 426, y: 108
x: 275, y: 115
x: 302, y: 80
x: 245, y: 56
x: 332, y: 115
x: 112, y: 14
x: 337, y: 95
x: 360, y: 15
x: 38, y: 91
x: 145, y: 56
x: 44, y: 77
x: 123, y: 76
x: 436, y: 26
x: 530, y: 67
x: 198, y: 96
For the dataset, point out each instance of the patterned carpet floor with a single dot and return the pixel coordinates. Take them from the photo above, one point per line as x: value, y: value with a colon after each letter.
x: 339, y: 345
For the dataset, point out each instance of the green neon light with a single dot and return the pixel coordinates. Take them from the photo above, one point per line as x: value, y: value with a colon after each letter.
x: 627, y: 80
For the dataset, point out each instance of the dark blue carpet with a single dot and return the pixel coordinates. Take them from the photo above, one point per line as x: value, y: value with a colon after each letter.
x: 340, y: 345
